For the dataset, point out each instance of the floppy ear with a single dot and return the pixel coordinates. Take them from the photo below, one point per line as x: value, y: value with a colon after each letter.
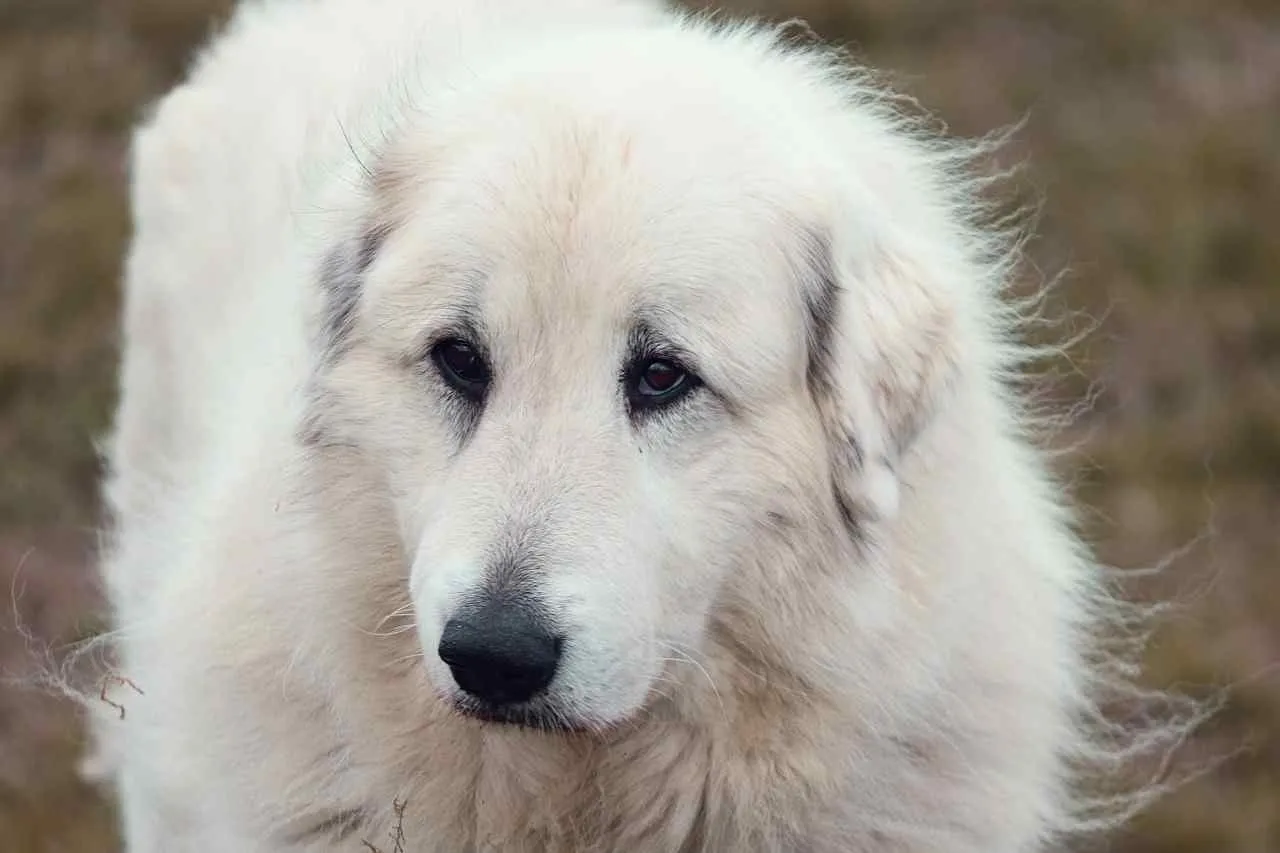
x: 882, y: 338
x: 373, y: 199
x: 341, y: 280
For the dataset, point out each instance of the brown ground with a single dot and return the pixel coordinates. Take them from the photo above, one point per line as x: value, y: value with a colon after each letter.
x: 1153, y: 138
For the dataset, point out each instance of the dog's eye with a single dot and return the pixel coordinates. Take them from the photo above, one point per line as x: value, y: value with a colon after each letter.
x: 658, y: 381
x: 462, y: 366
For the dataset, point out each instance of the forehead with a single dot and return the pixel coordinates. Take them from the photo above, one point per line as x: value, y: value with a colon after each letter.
x: 586, y: 227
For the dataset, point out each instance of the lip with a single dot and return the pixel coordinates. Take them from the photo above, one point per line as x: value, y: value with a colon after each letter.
x: 533, y: 716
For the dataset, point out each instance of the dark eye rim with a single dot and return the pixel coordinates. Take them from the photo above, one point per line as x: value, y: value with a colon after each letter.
x: 639, y: 401
x: 471, y: 388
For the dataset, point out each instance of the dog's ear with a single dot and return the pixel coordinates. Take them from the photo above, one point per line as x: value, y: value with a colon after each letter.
x: 383, y: 183
x: 882, y: 354
x: 341, y: 280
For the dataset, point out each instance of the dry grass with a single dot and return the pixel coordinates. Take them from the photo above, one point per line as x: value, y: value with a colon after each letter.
x: 1153, y: 137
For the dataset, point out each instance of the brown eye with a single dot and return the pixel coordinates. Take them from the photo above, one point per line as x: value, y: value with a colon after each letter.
x: 656, y: 382
x: 462, y: 366
x: 660, y: 378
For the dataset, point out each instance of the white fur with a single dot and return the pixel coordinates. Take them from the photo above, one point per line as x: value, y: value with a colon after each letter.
x: 752, y: 666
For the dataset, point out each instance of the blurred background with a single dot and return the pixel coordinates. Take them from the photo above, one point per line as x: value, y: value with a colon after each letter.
x: 1151, y: 146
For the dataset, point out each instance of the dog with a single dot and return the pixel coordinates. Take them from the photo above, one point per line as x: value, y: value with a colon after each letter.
x: 577, y: 426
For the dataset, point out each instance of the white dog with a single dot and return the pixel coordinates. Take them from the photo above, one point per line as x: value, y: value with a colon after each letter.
x: 571, y: 426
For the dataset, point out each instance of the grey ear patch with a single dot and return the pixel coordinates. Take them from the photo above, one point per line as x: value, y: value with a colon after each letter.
x: 821, y: 303
x: 342, y: 279
x: 873, y: 412
x: 849, y: 466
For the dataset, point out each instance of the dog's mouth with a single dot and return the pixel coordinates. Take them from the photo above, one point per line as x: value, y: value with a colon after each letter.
x: 536, y: 716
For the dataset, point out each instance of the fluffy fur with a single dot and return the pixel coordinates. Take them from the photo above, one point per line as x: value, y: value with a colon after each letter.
x: 831, y: 602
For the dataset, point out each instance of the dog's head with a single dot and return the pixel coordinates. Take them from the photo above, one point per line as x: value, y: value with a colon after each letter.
x: 610, y: 322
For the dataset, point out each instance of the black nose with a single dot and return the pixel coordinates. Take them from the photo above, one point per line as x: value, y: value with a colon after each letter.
x: 500, y: 653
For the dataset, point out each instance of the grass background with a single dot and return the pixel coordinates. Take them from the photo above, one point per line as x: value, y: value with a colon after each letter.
x: 1153, y: 141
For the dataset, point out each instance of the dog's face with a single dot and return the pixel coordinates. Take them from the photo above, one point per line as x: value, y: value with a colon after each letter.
x: 595, y: 358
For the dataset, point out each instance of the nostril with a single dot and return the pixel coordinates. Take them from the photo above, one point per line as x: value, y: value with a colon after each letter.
x: 500, y: 654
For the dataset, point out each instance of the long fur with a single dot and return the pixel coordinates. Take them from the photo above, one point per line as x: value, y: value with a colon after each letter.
x: 833, y: 604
